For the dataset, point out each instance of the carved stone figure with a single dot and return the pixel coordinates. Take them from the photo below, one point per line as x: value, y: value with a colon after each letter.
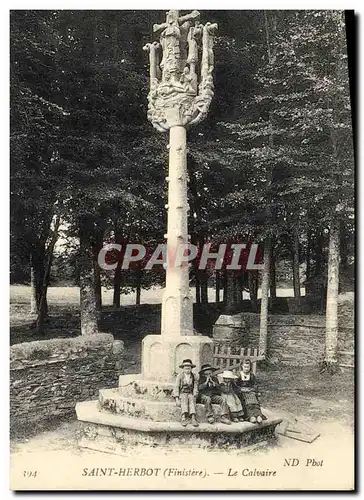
x: 189, y: 81
x: 193, y: 33
x: 154, y: 70
x: 176, y: 96
x: 207, y: 63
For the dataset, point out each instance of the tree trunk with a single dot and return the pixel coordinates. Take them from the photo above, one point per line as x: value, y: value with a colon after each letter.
x: 263, y: 327
x: 319, y: 258
x: 346, y: 276
x: 225, y: 288
x: 43, y: 308
x: 138, y: 286
x: 98, y: 293
x: 198, y: 289
x: 332, y: 297
x: 217, y: 286
x: 33, y: 290
x: 272, y: 278
x: 308, y: 287
x: 296, y: 268
x: 117, y: 273
x: 96, y: 247
x: 271, y: 215
x: 88, y: 299
x: 37, y: 262
x: 253, y: 289
x: 239, y: 293
x: 236, y: 291
x: 204, y: 287
x: 117, y: 283
x: 318, y: 279
x: 230, y: 292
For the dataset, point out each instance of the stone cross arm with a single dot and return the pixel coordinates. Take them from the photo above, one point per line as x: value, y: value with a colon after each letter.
x: 192, y: 16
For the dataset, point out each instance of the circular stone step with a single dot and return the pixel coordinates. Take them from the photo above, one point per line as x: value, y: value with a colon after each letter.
x: 111, y: 433
x: 134, y: 386
x: 158, y: 411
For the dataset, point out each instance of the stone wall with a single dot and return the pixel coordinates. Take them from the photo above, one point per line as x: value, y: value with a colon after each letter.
x: 296, y: 340
x: 48, y: 377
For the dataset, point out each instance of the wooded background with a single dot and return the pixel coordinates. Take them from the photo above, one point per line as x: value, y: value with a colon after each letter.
x: 273, y: 163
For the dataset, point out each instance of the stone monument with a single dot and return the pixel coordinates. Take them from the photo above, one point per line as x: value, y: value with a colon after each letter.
x: 178, y: 98
x: 142, y: 408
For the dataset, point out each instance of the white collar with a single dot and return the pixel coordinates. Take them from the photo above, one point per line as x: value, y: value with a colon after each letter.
x: 245, y: 376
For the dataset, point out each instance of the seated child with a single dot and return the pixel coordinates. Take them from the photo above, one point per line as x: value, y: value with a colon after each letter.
x: 185, y: 392
x: 228, y: 389
x: 209, y: 392
x: 247, y: 385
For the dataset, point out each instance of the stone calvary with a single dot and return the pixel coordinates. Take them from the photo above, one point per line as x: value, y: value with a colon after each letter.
x: 142, y: 408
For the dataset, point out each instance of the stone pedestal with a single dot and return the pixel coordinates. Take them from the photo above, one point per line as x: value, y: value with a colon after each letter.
x: 114, y: 433
x: 161, y: 355
x: 143, y: 412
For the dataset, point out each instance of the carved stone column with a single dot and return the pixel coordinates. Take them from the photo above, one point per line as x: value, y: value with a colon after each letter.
x: 178, y: 98
x: 177, y: 305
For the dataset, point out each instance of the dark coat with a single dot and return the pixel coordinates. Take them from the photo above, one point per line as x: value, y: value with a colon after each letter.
x: 249, y: 396
x: 210, y: 388
x: 247, y: 384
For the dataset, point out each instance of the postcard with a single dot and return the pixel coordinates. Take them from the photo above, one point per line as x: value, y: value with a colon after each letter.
x: 182, y: 236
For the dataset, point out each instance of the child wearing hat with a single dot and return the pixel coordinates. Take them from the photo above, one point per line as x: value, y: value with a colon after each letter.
x: 185, y: 392
x: 229, y: 390
x: 209, y: 392
x: 248, y: 393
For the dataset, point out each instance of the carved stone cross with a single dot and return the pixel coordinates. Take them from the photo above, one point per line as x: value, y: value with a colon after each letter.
x: 178, y: 97
x: 172, y: 17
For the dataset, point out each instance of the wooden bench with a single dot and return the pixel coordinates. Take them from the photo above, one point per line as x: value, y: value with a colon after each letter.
x: 227, y: 358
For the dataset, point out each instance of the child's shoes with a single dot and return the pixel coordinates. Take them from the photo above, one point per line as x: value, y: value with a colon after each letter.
x: 194, y: 421
x: 184, y: 420
x: 225, y: 420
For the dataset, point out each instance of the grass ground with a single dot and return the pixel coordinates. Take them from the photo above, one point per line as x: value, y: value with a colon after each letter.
x: 64, y: 318
x: 322, y: 400
x: 70, y: 296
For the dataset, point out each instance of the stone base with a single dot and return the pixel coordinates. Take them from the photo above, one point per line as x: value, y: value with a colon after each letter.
x: 158, y: 411
x: 142, y: 411
x: 161, y: 355
x: 134, y: 386
x: 112, y: 433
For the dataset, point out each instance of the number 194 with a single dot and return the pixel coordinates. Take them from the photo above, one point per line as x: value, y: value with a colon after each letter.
x: 30, y: 473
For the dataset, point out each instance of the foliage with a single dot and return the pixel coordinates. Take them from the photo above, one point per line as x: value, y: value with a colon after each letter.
x: 274, y: 153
